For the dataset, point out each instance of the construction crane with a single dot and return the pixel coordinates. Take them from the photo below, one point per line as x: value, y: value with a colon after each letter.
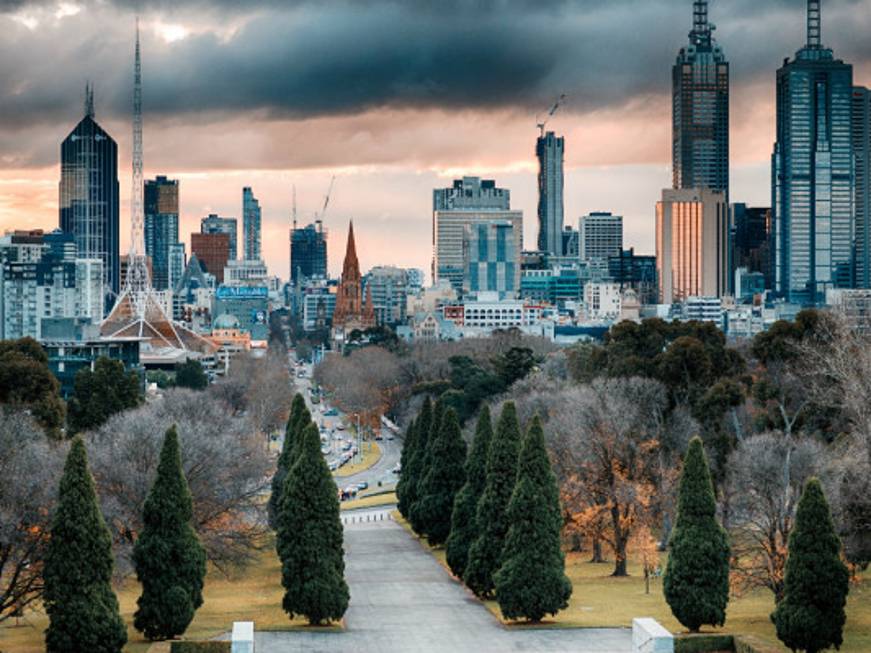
x: 320, y: 217
x: 553, y: 109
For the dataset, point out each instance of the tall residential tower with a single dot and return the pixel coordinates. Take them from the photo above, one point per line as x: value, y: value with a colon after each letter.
x: 251, y: 224
x: 812, y: 182
x: 161, y: 226
x: 862, y: 153
x: 550, y: 151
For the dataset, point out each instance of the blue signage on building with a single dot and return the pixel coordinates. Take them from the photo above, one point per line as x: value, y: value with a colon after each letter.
x: 242, y: 292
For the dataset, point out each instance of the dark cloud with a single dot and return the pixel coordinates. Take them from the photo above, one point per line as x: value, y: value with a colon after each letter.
x: 279, y: 59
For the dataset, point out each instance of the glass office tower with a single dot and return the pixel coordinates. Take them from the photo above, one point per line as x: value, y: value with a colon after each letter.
x: 862, y: 206
x: 161, y: 227
x: 308, y: 252
x: 812, y: 172
x: 89, y: 195
x: 550, y: 151
x: 700, y: 111
x: 251, y: 224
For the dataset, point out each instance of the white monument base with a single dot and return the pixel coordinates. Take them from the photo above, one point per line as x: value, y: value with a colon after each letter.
x: 648, y: 636
x: 243, y: 637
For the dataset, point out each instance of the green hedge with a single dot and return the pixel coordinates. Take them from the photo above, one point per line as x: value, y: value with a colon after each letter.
x: 199, y: 647
x: 703, y: 643
x: 751, y: 644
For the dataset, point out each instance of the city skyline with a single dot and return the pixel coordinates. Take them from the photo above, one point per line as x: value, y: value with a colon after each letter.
x: 383, y: 184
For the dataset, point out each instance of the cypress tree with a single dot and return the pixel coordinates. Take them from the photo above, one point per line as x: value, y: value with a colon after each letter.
x: 408, y: 445
x: 811, y: 616
x: 415, y: 462
x: 532, y: 582
x: 444, y: 478
x: 297, y: 414
x: 696, y: 583
x: 423, y: 463
x: 169, y: 559
x: 464, y: 529
x: 485, y: 555
x: 82, y: 608
x: 309, y: 540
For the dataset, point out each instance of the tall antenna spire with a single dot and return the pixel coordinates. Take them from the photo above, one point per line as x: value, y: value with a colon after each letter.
x: 89, y: 100
x: 814, y: 36
x: 294, y: 206
x: 701, y: 34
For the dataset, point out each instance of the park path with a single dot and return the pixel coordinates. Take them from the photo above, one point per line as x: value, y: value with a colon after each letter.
x: 403, y: 601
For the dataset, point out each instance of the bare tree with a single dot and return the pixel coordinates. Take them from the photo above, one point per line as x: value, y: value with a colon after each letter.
x: 224, y: 460
x: 766, y: 475
x: 29, y: 472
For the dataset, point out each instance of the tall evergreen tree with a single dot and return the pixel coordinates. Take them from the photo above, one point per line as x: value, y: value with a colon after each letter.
x: 532, y: 582
x: 485, y: 555
x: 423, y: 463
x: 408, y: 445
x: 81, y: 605
x: 444, y: 478
x: 696, y: 584
x: 309, y: 540
x: 464, y: 523
x: 811, y: 616
x: 169, y: 559
x: 415, y: 463
x: 297, y: 409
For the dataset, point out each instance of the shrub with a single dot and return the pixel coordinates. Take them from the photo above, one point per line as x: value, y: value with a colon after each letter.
x: 200, y: 647
x: 704, y: 643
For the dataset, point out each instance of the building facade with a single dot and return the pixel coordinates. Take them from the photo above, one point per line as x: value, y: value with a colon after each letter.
x: 700, y: 109
x: 550, y: 152
x: 89, y: 196
x: 812, y: 172
x: 308, y: 252
x: 692, y: 236
x: 251, y: 224
x: 177, y: 264
x: 468, y: 202
x: 490, y: 258
x: 213, y: 252
x: 600, y: 236
x: 861, y: 129
x: 215, y: 224
x: 389, y: 288
x: 161, y: 226
x: 636, y: 272
x: 751, y: 240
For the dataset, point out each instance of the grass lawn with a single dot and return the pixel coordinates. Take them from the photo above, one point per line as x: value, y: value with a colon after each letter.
x: 370, y: 501
x: 371, y: 455
x: 599, y: 600
x: 253, y: 594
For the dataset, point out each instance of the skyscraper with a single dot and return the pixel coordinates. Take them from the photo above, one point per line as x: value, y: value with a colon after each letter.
x: 550, y: 151
x: 215, y: 224
x: 700, y: 109
x: 862, y: 153
x: 89, y: 194
x: 692, y: 229
x: 469, y: 201
x: 213, y: 252
x: 251, y: 224
x: 601, y: 236
x: 812, y: 172
x: 308, y: 252
x: 161, y: 226
x: 490, y: 260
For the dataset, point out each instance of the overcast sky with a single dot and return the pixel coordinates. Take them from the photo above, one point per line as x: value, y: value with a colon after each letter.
x: 393, y: 97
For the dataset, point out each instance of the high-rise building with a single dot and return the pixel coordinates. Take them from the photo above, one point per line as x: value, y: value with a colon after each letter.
x: 692, y: 236
x: 89, y: 195
x: 177, y: 264
x: 469, y: 201
x: 490, y: 258
x: 636, y: 272
x: 251, y: 224
x: 550, y: 151
x: 601, y: 236
x: 700, y: 109
x: 751, y: 240
x: 571, y: 242
x: 215, y: 224
x: 161, y: 226
x: 213, y: 252
x: 812, y: 172
x: 862, y: 152
x: 389, y: 287
x: 308, y: 252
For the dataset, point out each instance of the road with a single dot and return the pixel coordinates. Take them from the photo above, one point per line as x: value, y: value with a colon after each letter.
x: 402, y: 600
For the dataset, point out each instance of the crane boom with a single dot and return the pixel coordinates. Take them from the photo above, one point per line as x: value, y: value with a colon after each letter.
x: 553, y: 110
x: 327, y: 199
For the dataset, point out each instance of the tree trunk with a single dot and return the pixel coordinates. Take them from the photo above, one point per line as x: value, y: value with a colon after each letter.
x: 597, y: 551
x: 620, y: 556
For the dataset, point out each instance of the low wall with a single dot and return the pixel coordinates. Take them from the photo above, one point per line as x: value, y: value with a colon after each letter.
x: 648, y: 636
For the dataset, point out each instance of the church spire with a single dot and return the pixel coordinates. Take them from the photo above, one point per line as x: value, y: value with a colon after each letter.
x: 351, y: 267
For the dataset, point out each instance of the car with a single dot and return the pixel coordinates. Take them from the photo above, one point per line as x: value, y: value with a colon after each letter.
x: 362, y: 485
x: 340, y: 426
x: 397, y: 468
x: 333, y: 465
x: 352, y: 490
x: 330, y: 412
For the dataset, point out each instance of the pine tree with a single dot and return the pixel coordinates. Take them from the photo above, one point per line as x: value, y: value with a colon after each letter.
x: 169, y: 559
x: 811, y: 616
x: 423, y: 463
x: 81, y: 606
x: 445, y: 477
x: 696, y: 583
x: 309, y: 540
x: 485, y: 555
x: 464, y: 529
x: 415, y: 463
x: 408, y: 445
x: 532, y: 582
x: 297, y: 412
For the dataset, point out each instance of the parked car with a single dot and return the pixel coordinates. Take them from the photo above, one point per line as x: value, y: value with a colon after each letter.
x: 397, y: 468
x: 362, y: 485
x: 331, y: 412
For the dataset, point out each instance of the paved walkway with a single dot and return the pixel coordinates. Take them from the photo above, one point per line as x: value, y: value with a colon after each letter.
x: 403, y: 601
